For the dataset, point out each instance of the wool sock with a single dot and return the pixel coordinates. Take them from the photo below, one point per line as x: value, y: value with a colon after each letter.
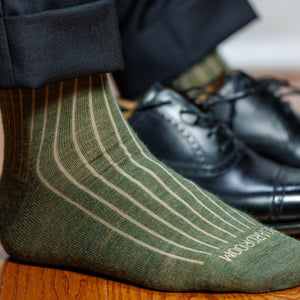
x: 206, y: 73
x: 203, y: 73
x: 80, y: 190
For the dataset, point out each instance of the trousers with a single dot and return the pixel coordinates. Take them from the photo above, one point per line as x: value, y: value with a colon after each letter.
x: 44, y: 41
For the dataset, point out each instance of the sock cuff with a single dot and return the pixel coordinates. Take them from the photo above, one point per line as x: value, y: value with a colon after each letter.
x: 204, y: 72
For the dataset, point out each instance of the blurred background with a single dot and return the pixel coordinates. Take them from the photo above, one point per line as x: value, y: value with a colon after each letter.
x: 271, y: 43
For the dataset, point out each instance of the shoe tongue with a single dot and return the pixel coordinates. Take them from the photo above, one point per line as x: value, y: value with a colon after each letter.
x: 158, y: 95
x: 235, y: 82
x: 152, y: 93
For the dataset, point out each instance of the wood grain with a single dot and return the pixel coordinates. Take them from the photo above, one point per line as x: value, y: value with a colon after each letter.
x: 24, y: 282
x: 19, y: 282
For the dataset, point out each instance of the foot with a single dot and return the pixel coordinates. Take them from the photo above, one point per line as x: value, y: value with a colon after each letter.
x: 79, y: 190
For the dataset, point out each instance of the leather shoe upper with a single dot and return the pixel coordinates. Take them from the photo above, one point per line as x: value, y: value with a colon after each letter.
x: 197, y: 146
x: 258, y: 117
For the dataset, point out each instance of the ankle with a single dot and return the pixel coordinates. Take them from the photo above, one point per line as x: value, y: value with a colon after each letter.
x: 203, y: 73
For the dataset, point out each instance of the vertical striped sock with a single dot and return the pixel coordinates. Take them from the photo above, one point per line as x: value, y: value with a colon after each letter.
x: 204, y: 72
x: 80, y: 190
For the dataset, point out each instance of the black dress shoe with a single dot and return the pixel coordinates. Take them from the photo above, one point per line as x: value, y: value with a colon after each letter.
x: 259, y: 117
x: 195, y: 145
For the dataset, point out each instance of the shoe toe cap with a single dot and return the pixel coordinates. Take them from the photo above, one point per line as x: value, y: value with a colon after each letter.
x: 286, y: 200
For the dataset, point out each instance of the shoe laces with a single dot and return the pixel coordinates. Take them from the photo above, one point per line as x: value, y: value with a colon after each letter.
x: 205, y: 100
x: 204, y: 118
x: 216, y: 127
x: 266, y: 85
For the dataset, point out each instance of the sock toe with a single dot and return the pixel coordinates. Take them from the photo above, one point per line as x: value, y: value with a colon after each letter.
x: 275, y: 269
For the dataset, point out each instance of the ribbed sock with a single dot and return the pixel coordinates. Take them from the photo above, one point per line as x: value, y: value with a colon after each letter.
x: 80, y: 190
x: 205, y: 72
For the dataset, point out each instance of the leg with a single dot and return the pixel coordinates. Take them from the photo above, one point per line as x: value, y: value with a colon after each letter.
x: 80, y: 190
x: 162, y: 39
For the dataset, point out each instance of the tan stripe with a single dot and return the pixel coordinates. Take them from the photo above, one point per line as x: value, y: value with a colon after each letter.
x: 178, y: 182
x: 222, y: 209
x: 202, y: 75
x: 186, y: 189
x: 31, y: 135
x: 130, y: 178
x: 112, y: 186
x: 156, y: 178
x: 87, y: 212
x: 208, y: 68
x: 242, y: 216
x: 22, y: 131
x: 216, y: 69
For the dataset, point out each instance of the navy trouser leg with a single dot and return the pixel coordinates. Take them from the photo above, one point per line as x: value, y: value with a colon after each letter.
x: 43, y: 41
x: 163, y: 38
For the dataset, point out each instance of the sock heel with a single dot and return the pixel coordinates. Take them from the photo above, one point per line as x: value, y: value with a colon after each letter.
x: 11, y: 195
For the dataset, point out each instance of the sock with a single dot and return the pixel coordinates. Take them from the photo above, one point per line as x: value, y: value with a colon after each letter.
x: 203, y: 73
x: 206, y: 72
x: 80, y: 190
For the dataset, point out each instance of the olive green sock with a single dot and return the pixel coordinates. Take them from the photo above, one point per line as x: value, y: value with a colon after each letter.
x: 80, y: 190
x: 204, y: 72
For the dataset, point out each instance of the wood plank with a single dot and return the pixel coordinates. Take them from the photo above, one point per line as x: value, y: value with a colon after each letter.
x: 18, y: 281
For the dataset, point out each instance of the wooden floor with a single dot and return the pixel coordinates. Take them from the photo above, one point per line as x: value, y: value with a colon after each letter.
x: 20, y: 282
